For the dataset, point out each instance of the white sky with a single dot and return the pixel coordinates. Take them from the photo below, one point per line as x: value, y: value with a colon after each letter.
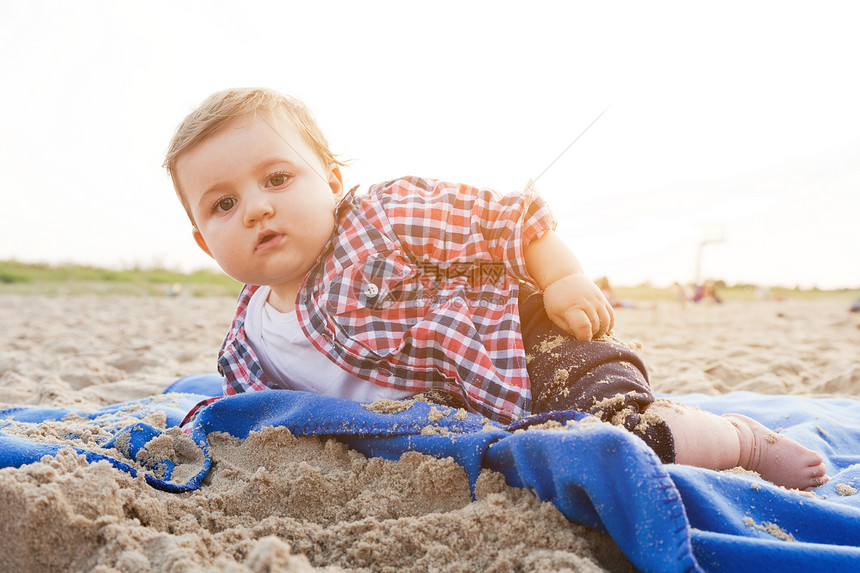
x: 732, y: 119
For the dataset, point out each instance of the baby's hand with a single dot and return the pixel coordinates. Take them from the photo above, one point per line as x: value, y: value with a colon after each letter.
x: 576, y: 305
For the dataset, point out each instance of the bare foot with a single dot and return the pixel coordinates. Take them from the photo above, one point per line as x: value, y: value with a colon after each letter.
x: 776, y: 458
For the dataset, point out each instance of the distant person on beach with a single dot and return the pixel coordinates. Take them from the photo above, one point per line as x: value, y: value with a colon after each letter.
x: 420, y: 289
x: 682, y: 293
x: 611, y: 296
x: 707, y: 292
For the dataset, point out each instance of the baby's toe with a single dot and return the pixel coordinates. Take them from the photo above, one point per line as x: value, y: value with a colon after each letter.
x: 819, y: 471
x: 817, y: 481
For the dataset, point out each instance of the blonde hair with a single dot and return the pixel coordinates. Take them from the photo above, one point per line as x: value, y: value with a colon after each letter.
x: 222, y: 107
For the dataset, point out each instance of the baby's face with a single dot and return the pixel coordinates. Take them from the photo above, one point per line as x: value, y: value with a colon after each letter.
x: 262, y: 199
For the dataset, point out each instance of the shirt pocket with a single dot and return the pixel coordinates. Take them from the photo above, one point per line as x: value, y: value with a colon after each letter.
x: 371, y: 304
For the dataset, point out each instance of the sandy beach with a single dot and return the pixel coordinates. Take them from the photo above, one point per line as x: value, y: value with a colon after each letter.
x: 275, y: 502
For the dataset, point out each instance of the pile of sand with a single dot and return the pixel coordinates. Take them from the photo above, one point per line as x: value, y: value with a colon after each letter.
x: 274, y: 502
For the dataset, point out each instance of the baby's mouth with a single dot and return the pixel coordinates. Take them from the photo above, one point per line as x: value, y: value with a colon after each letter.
x: 266, y: 237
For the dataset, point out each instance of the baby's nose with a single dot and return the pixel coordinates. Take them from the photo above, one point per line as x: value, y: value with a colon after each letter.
x: 257, y: 207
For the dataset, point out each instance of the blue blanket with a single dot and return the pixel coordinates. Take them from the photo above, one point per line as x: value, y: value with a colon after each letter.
x: 663, y: 517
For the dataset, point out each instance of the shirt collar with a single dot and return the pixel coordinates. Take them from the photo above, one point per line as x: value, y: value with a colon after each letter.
x: 345, y: 201
x: 343, y: 205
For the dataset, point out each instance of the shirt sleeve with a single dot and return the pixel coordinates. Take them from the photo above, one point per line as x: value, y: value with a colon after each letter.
x: 448, y: 223
x: 238, y: 365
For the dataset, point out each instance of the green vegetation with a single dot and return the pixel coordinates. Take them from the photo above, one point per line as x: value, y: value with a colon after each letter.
x: 38, y: 278
x: 739, y: 292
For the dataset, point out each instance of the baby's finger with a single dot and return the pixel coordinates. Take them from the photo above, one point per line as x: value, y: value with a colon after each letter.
x: 604, y: 323
x: 578, y: 323
x: 593, y: 314
x: 611, y: 317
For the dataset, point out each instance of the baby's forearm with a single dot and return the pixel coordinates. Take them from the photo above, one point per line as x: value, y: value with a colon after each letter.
x: 548, y: 259
x: 571, y: 300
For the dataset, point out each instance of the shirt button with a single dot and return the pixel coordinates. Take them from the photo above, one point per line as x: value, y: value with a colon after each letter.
x: 371, y: 290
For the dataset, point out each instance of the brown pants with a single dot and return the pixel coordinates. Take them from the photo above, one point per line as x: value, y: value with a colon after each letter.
x: 606, y: 379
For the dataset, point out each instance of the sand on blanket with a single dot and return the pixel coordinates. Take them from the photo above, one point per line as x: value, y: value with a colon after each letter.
x: 274, y: 502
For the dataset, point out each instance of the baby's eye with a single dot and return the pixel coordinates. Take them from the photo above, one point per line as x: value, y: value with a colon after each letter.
x: 223, y: 205
x: 278, y: 179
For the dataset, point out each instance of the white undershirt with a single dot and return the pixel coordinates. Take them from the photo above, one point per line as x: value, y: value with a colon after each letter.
x: 290, y: 360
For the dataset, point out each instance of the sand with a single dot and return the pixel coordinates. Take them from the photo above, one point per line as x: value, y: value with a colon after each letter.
x: 275, y: 502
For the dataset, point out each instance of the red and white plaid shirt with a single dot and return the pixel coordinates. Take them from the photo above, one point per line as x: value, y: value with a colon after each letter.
x: 417, y: 290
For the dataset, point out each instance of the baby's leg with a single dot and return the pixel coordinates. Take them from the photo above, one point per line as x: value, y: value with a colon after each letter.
x: 611, y: 382
x: 714, y: 442
x: 602, y: 378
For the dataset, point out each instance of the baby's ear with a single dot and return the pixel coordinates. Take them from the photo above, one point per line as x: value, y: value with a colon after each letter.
x: 335, y: 181
x: 201, y: 242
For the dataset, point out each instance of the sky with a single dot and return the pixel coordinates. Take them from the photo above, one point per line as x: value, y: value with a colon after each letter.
x: 729, y: 140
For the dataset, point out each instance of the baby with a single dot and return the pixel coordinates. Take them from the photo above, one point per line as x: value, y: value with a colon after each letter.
x: 419, y: 288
